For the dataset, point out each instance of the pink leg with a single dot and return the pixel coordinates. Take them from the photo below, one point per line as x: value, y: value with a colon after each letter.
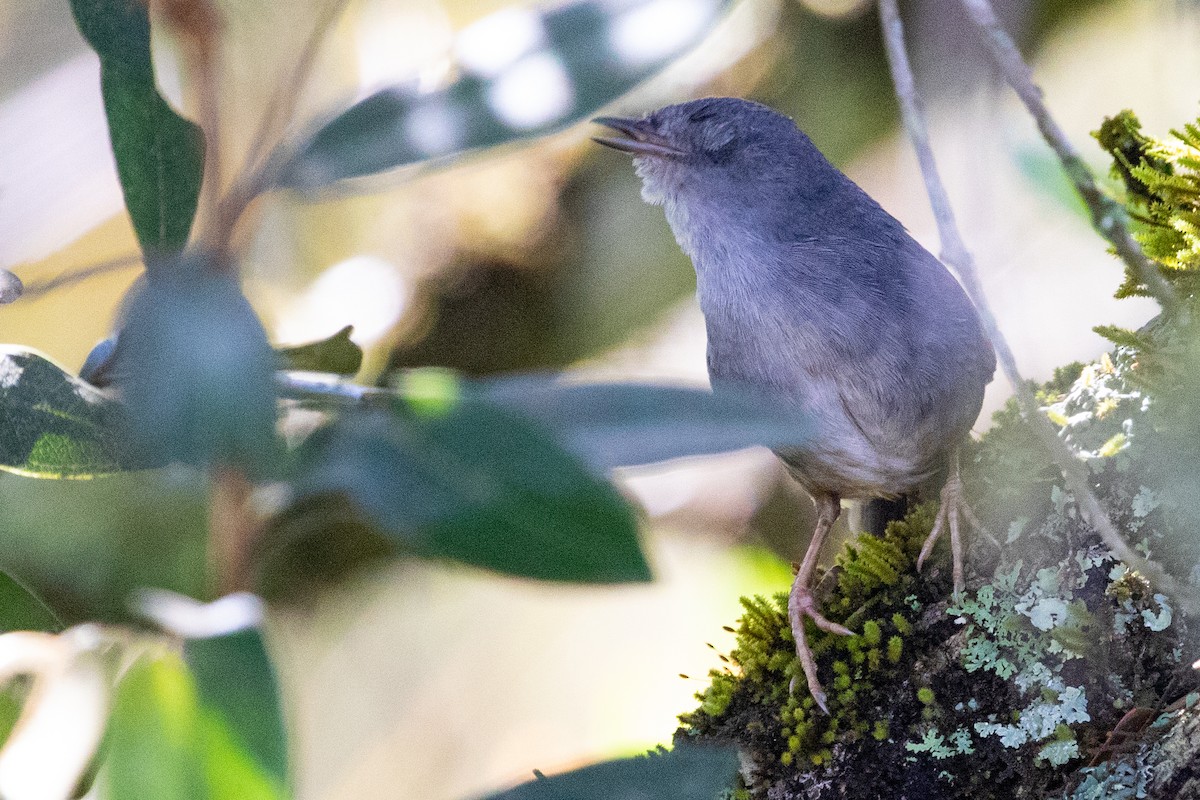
x: 800, y: 602
x: 954, y: 507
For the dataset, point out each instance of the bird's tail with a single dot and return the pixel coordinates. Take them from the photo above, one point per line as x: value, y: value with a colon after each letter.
x: 875, y: 514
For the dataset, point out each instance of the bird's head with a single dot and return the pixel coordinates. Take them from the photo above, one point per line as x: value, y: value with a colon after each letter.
x: 718, y: 148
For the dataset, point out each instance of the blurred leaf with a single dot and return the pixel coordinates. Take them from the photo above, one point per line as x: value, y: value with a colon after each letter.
x: 612, y: 425
x: 685, y: 773
x: 314, y: 545
x: 160, y: 155
x: 522, y: 72
x: 1042, y: 169
x: 12, y: 702
x: 164, y: 743
x: 153, y: 745
x: 99, y: 360
x: 477, y: 484
x: 10, y: 287
x: 195, y: 369
x: 235, y: 678
x: 337, y: 354
x: 22, y: 610
x: 56, y: 425
x: 85, y: 546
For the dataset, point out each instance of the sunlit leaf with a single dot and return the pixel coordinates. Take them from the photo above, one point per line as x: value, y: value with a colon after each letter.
x: 56, y: 425
x: 195, y: 369
x: 160, y: 155
x: 164, y: 742
x: 85, y: 546
x: 337, y: 354
x: 685, y: 773
x: 520, y: 72
x: 611, y: 425
x: 236, y: 680
x: 475, y: 483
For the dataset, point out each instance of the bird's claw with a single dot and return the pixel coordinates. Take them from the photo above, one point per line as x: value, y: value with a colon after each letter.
x: 953, y: 510
x: 801, y: 605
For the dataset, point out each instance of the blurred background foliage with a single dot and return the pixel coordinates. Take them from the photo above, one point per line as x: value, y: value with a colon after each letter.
x: 439, y: 679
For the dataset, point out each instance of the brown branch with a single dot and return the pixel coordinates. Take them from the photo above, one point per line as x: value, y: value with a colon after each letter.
x: 956, y: 255
x: 233, y: 530
x: 1108, y: 216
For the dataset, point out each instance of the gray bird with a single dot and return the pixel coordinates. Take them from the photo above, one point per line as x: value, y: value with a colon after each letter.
x: 814, y: 294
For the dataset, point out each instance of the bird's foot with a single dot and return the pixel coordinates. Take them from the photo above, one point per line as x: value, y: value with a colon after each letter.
x: 953, y: 512
x: 801, y: 605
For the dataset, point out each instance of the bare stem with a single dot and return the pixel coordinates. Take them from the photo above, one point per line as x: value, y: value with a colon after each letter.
x: 262, y: 162
x: 956, y: 255
x: 38, y: 289
x: 233, y: 530
x: 1108, y: 216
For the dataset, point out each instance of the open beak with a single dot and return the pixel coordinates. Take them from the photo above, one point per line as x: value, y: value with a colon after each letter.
x: 639, y: 139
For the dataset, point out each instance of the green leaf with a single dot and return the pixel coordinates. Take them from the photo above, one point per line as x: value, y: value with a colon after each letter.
x: 477, y: 484
x: 195, y: 369
x: 153, y: 744
x: 22, y: 610
x: 337, y: 354
x: 56, y: 425
x: 685, y: 773
x: 521, y: 73
x: 236, y: 680
x: 165, y: 743
x: 160, y: 155
x: 85, y: 546
x: 622, y: 424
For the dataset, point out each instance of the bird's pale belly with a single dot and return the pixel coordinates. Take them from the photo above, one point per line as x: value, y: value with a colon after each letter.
x: 857, y: 450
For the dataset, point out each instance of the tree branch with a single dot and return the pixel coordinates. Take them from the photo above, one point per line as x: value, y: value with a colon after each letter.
x: 956, y: 255
x: 1108, y: 216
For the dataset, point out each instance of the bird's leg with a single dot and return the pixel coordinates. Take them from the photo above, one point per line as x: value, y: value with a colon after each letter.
x: 801, y: 603
x: 954, y: 507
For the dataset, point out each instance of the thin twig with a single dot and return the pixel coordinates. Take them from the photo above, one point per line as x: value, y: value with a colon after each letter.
x: 283, y: 100
x: 1108, y: 216
x: 262, y: 162
x: 956, y: 255
x: 38, y: 289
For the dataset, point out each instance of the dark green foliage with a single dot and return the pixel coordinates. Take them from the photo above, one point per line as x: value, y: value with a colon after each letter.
x: 56, y: 425
x: 685, y: 773
x: 452, y: 476
x: 22, y: 610
x: 337, y: 354
x: 160, y: 155
x: 235, y: 678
